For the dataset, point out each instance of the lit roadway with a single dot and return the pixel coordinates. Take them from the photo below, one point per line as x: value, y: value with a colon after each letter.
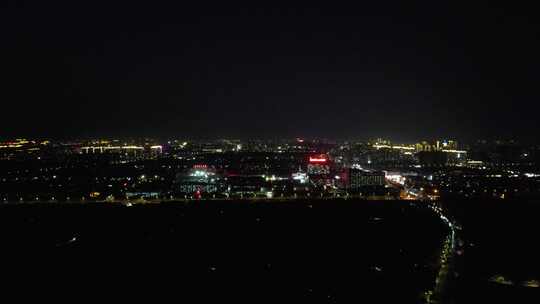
x: 245, y: 197
x: 446, y: 259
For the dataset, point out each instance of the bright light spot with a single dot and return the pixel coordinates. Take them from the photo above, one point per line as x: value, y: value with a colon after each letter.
x: 317, y: 160
x: 396, y: 178
x: 301, y: 177
x: 199, y: 173
x: 270, y: 178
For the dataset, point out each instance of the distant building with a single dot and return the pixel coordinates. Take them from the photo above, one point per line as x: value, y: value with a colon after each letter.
x: 449, y: 145
x: 318, y: 164
x: 318, y: 170
x: 358, y: 179
x: 247, y: 185
x: 424, y: 146
x: 438, y: 145
x: 197, y: 180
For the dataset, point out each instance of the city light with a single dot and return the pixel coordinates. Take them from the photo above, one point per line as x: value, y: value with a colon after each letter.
x: 300, y: 177
x: 317, y: 160
x: 199, y: 173
x: 362, y: 152
x: 455, y: 151
x: 396, y: 178
x: 377, y: 146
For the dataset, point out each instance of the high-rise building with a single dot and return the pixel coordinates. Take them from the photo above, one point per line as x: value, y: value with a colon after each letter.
x: 318, y: 165
x: 449, y: 145
x: 318, y: 170
x: 424, y: 146
x: 438, y: 145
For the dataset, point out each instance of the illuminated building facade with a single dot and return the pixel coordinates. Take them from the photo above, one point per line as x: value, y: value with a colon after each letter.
x: 438, y: 145
x: 318, y: 170
x: 358, y: 179
x: 318, y: 165
x: 197, y: 180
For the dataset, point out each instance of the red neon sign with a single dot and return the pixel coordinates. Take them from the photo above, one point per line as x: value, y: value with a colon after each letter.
x: 317, y: 160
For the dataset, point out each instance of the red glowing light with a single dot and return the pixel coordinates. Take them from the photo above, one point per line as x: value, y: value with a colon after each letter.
x: 317, y: 160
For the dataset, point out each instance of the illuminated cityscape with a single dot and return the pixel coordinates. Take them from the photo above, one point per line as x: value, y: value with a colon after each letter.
x: 441, y: 177
x: 146, y: 171
x: 363, y: 152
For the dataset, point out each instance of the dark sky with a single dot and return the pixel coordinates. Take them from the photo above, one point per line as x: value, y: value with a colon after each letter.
x: 400, y: 69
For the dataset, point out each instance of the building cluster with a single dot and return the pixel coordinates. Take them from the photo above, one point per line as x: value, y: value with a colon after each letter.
x: 113, y: 169
x: 273, y: 175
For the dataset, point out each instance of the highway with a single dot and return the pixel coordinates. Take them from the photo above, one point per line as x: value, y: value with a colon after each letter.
x: 446, y: 259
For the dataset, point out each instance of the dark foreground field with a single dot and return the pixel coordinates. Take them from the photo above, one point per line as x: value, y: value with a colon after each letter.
x: 223, y: 251
x: 501, y: 255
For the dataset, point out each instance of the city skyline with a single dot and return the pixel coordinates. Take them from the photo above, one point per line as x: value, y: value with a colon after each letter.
x: 267, y: 153
x: 105, y: 141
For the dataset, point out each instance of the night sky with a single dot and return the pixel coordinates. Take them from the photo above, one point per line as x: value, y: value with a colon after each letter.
x: 401, y: 70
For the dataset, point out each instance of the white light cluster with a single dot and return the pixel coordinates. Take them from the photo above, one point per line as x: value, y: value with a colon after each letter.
x: 200, y: 173
x: 301, y: 177
x: 396, y: 178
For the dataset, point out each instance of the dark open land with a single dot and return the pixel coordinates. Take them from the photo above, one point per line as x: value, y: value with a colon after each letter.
x: 258, y: 252
x: 500, y: 252
x: 271, y: 251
